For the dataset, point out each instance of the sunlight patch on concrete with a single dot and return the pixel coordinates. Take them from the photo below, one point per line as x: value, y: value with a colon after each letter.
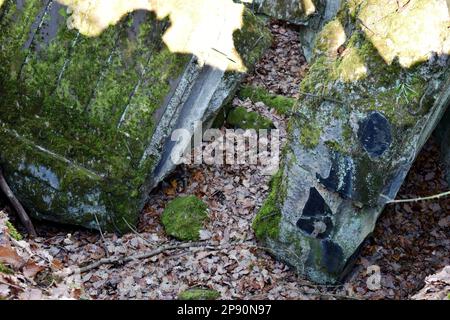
x: 410, y: 30
x: 92, y: 17
x: 201, y: 27
x: 308, y: 7
x: 352, y: 67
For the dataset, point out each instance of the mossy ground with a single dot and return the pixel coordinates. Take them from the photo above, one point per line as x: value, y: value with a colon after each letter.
x: 184, y: 217
x: 4, y: 269
x: 283, y: 105
x: 199, y: 294
x: 13, y: 231
x: 239, y: 117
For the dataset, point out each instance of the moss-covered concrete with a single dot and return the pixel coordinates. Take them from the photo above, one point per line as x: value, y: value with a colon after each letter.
x: 294, y: 11
x: 252, y: 39
x: 351, y: 75
x: 184, y: 217
x: 368, y: 103
x: 77, y: 122
x: 239, y: 117
x: 310, y: 135
x: 442, y: 133
x: 79, y: 113
x: 199, y: 294
x: 267, y: 220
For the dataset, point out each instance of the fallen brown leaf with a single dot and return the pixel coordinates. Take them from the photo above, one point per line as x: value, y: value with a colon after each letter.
x: 10, y: 257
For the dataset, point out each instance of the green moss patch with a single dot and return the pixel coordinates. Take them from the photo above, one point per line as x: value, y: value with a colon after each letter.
x: 282, y: 104
x: 13, y: 231
x: 199, y: 294
x: 267, y: 221
x: 4, y: 269
x: 241, y: 118
x: 310, y: 136
x: 184, y: 217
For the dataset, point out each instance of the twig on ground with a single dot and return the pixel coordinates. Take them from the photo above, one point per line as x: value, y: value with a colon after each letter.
x: 11, y: 285
x: 433, y: 197
x: 144, y: 255
x: 24, y: 218
x: 135, y: 231
x: 101, y: 234
x: 151, y: 253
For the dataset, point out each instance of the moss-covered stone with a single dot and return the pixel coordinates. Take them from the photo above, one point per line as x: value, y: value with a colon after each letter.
x: 199, y: 294
x: 184, y: 217
x: 239, y: 117
x: 283, y: 105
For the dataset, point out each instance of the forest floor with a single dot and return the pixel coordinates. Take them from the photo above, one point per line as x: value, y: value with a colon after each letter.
x: 411, y: 241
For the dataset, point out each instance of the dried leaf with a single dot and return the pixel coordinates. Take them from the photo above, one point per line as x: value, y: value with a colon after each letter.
x: 10, y: 257
x: 31, y: 268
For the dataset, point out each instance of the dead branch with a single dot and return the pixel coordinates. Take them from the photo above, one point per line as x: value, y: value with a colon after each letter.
x: 11, y: 285
x: 24, y: 218
x: 101, y: 234
x: 151, y: 253
x: 143, y: 255
x: 135, y: 231
x: 433, y: 197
